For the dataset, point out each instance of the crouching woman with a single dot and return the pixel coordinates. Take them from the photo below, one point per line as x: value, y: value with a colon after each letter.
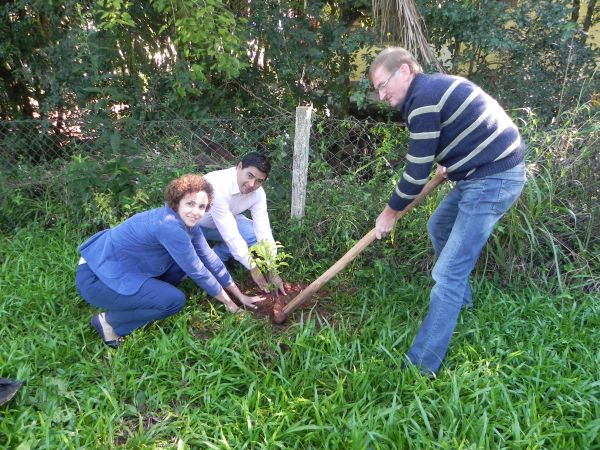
x: 132, y: 270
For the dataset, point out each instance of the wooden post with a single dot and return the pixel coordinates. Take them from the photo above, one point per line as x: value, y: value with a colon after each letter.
x: 300, y: 165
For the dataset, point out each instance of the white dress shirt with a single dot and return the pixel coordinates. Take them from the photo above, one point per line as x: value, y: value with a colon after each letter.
x: 229, y: 202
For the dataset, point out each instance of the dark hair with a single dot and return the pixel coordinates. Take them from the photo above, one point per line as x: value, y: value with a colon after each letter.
x: 392, y: 58
x: 187, y: 184
x: 258, y: 160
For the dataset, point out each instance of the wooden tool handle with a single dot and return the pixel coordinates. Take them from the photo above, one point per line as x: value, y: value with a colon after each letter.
x: 354, y: 252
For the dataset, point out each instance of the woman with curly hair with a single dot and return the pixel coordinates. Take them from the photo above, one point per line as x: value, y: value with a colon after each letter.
x: 132, y: 270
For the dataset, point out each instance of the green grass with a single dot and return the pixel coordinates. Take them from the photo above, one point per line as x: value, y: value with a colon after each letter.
x: 522, y: 371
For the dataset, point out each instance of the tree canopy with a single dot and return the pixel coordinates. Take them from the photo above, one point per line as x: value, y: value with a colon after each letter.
x: 155, y: 58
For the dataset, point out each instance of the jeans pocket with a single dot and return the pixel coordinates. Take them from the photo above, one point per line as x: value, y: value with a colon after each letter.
x: 507, y: 194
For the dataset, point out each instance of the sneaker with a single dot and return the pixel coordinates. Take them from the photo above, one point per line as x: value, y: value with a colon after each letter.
x: 102, y: 330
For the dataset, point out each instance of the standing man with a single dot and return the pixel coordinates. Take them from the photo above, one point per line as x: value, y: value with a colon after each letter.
x: 239, y: 189
x: 453, y: 123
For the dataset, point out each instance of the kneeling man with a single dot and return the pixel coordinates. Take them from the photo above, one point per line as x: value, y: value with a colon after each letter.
x: 237, y: 190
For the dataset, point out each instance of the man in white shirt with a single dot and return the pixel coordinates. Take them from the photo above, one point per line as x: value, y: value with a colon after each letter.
x: 236, y: 190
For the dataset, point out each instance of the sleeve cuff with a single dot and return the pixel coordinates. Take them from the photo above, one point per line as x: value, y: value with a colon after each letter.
x: 398, y: 203
x: 245, y: 261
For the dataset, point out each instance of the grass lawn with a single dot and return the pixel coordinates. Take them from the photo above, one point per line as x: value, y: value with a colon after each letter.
x: 522, y: 371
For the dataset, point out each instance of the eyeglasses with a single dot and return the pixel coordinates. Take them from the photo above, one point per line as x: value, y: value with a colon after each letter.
x: 382, y: 86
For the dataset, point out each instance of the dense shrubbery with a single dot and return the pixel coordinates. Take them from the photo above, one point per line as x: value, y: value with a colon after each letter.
x: 539, y: 63
x: 531, y: 55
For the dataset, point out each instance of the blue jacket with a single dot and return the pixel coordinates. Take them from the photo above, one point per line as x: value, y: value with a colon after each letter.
x: 456, y: 124
x: 145, y: 245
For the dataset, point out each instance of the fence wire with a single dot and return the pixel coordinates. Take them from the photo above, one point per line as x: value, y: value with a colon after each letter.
x: 41, y: 152
x: 354, y: 146
x: 34, y: 152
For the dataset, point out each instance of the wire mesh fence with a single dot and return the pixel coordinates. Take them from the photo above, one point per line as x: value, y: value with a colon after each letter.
x: 354, y: 146
x: 49, y: 148
x: 75, y: 156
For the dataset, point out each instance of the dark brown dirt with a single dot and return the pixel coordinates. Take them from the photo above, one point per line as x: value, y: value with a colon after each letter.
x: 273, y: 304
x: 274, y: 301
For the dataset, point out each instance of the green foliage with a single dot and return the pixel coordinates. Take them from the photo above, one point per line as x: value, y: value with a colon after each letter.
x: 392, y: 148
x: 531, y: 55
x: 192, y: 58
x: 553, y: 231
x: 208, y: 35
x: 338, y: 213
x: 31, y: 204
x: 103, y: 195
x: 301, y: 53
x: 268, y: 257
x: 36, y: 46
x: 109, y: 183
x: 106, y: 212
x: 112, y: 55
x: 114, y: 13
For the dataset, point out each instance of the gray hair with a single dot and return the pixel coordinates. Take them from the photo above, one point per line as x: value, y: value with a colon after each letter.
x: 392, y: 58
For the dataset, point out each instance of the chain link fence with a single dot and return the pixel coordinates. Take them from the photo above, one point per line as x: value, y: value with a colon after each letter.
x: 358, y: 147
x: 74, y: 155
x: 29, y: 149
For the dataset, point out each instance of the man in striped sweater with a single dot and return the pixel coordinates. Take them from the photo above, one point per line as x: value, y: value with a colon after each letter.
x: 474, y: 143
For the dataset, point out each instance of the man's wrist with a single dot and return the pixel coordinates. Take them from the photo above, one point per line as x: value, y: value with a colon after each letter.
x: 389, y: 211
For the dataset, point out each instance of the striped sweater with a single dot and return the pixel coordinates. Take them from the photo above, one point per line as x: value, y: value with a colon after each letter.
x: 454, y: 123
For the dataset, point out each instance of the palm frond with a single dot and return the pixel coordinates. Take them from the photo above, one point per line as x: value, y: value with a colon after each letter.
x: 401, y: 23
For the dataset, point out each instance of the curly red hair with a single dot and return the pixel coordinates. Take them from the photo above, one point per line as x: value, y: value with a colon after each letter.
x: 187, y: 184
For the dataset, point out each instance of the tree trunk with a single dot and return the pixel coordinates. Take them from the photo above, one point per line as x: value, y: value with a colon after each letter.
x: 575, y: 11
x: 587, y: 23
x: 17, y: 93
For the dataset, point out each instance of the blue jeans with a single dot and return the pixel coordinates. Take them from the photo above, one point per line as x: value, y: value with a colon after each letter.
x: 459, y: 228
x: 246, y: 229
x: 156, y: 299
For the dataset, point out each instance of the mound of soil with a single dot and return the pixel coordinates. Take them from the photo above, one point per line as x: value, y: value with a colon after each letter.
x: 274, y: 302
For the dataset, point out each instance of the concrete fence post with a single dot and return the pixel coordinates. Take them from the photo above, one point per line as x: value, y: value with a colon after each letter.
x: 300, y: 165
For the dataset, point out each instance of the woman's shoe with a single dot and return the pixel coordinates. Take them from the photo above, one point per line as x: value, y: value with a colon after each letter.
x: 109, y: 337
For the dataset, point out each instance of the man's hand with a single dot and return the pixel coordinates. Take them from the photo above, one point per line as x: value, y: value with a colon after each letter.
x: 441, y: 170
x: 276, y: 281
x: 385, y: 222
x: 259, y: 279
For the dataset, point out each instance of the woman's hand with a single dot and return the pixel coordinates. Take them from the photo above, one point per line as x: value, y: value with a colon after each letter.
x: 243, y: 298
x: 224, y: 298
x: 250, y: 301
